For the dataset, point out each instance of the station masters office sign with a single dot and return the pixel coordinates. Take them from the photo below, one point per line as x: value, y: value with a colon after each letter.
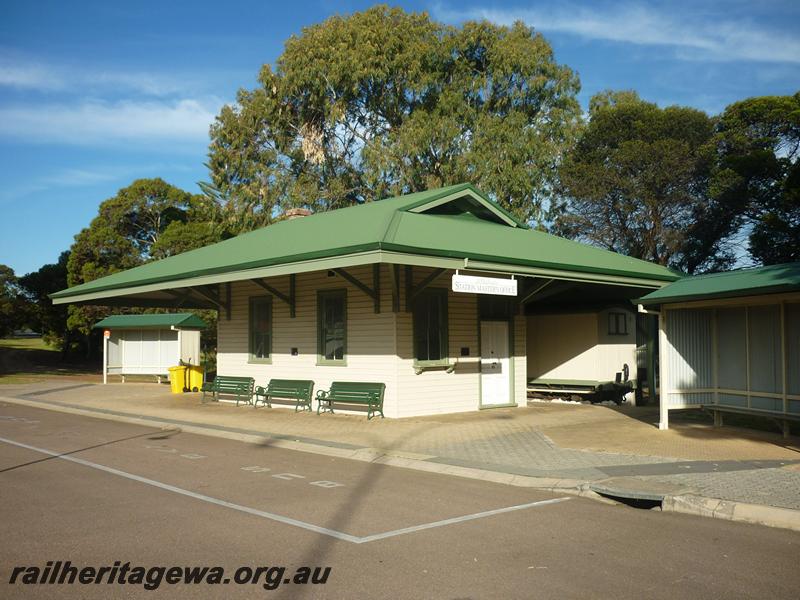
x: 484, y: 285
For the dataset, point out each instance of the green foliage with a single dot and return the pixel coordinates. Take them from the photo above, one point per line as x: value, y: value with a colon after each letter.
x: 384, y: 102
x: 758, y: 174
x: 147, y: 220
x: 11, y: 315
x: 636, y: 181
x: 43, y: 315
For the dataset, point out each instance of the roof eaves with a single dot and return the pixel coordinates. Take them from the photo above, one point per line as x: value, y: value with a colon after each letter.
x: 738, y: 293
x: 523, y: 262
x: 80, y: 289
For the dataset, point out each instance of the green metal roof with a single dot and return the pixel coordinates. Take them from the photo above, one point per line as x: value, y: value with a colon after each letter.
x: 480, y: 232
x: 731, y: 284
x: 160, y: 321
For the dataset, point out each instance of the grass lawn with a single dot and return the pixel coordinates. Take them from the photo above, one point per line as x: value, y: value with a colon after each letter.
x: 27, y: 360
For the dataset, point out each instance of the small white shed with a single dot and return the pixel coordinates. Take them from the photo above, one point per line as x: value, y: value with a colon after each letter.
x: 149, y: 344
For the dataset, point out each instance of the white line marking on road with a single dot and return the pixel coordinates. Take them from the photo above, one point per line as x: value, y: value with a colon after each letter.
x: 18, y: 419
x: 288, y: 476
x: 280, y: 518
x: 171, y: 488
x: 256, y: 469
x: 472, y: 517
x: 327, y: 484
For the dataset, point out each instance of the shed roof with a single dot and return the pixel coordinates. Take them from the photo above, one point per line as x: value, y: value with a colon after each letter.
x: 158, y: 321
x: 730, y: 284
x: 456, y: 222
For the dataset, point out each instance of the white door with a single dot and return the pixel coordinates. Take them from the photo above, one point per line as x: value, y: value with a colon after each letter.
x: 495, y: 364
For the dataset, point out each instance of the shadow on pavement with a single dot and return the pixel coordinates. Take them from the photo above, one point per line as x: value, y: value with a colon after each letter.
x: 163, y: 435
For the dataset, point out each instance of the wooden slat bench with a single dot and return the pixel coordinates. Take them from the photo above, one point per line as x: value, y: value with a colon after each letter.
x: 594, y: 391
x: 353, y: 392
x: 571, y: 386
x: 298, y: 390
x: 241, y: 387
x: 781, y: 418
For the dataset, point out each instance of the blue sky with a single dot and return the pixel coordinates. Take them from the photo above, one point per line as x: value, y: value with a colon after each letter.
x: 96, y: 94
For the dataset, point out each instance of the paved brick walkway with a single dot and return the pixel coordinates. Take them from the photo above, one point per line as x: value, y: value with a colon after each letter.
x: 591, y: 443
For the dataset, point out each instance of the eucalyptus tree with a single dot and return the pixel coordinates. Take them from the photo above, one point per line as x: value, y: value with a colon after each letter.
x: 384, y: 102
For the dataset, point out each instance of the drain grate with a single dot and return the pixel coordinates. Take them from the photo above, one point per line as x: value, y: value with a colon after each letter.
x: 632, y: 498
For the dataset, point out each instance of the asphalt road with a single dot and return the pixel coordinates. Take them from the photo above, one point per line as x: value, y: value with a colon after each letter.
x: 158, y: 498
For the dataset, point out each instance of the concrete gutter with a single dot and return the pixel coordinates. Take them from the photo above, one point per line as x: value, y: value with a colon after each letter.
x: 671, y: 499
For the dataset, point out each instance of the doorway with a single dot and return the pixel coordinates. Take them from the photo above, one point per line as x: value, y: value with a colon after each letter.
x: 495, y: 364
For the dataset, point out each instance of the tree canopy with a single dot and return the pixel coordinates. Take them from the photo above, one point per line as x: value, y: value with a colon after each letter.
x: 636, y: 181
x: 757, y: 178
x: 10, y: 315
x: 149, y: 219
x: 384, y: 102
x: 42, y: 315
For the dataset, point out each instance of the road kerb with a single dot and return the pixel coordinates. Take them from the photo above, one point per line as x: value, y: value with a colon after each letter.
x: 771, y: 516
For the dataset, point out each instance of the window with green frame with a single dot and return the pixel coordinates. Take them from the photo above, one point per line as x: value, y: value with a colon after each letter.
x: 332, y: 326
x: 430, y: 326
x: 260, y: 345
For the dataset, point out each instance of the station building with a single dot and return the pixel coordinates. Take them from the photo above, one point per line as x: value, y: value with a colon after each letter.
x: 442, y: 295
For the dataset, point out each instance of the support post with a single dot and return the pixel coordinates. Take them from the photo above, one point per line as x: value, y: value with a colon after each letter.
x: 663, y: 356
x: 105, y: 358
x: 409, y: 275
x: 292, y: 296
x: 715, y: 355
x: 652, y: 345
x: 394, y: 271
x: 228, y: 301
x: 376, y: 286
x: 784, y: 368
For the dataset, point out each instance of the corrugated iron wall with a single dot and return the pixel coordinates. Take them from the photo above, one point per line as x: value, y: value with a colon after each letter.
x: 690, y: 357
x: 748, y: 349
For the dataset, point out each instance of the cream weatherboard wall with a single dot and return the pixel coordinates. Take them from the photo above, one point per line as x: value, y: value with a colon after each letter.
x: 579, y: 346
x: 437, y: 391
x: 379, y: 346
x: 369, y: 342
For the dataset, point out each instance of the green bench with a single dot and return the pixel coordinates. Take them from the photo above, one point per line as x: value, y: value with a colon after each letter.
x: 241, y: 387
x: 298, y: 390
x: 352, y: 392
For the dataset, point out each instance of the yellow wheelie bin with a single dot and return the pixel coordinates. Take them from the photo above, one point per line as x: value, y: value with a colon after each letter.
x: 177, y: 379
x: 195, y: 377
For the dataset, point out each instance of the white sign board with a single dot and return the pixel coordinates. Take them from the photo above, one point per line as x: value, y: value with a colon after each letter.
x: 484, y: 285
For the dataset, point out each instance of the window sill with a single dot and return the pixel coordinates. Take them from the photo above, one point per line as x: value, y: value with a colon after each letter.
x: 433, y: 365
x: 331, y: 363
x: 259, y: 361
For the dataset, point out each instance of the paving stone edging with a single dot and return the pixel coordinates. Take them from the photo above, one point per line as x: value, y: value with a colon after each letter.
x: 771, y: 516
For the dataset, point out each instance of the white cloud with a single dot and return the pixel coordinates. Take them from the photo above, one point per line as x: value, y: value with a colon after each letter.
x: 695, y: 37
x: 97, y: 122
x: 59, y: 179
x: 96, y: 175
x: 25, y: 74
